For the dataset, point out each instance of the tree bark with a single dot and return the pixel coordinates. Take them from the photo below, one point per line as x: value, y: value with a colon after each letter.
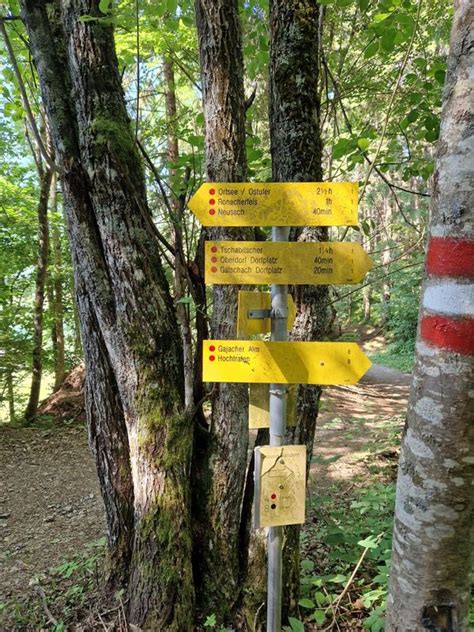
x: 221, y: 454
x: 296, y: 151
x: 57, y: 302
x: 41, y: 265
x: 433, y: 540
x: 130, y: 335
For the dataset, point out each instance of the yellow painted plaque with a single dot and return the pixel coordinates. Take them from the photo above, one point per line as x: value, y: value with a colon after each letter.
x: 251, y: 301
x: 259, y: 405
x: 255, y: 361
x: 276, y: 204
x: 280, y: 485
x: 295, y: 263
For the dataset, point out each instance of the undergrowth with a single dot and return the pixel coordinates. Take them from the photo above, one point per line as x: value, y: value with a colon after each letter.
x: 345, y: 562
x: 59, y: 597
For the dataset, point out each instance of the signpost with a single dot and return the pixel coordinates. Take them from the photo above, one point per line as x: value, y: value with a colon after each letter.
x: 295, y: 263
x: 276, y: 204
x: 280, y: 471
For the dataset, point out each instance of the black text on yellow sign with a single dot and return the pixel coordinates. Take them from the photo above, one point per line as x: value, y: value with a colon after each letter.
x: 256, y: 361
x: 276, y: 204
x: 295, y: 263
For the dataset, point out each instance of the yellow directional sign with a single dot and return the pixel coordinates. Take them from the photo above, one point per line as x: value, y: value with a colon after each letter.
x: 259, y: 405
x: 255, y: 361
x: 296, y: 263
x: 253, y: 304
x: 280, y: 485
x: 276, y: 204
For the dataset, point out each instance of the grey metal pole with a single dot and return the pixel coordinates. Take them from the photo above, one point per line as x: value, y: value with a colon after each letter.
x: 278, y: 399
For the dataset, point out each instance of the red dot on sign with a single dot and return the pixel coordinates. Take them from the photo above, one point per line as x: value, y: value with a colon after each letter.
x: 214, y: 259
x: 274, y: 496
x: 212, y: 358
x: 212, y: 348
x: 213, y: 269
x: 212, y: 211
x: 214, y: 249
x: 212, y: 191
x: 212, y: 201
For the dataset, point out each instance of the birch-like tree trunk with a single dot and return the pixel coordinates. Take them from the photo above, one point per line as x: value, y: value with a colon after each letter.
x: 139, y: 431
x: 433, y: 541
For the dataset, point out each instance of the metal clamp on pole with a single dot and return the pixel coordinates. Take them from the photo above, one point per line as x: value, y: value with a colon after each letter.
x: 278, y: 402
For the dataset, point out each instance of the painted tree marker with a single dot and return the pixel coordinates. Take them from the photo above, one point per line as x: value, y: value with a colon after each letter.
x: 276, y: 204
x: 289, y: 263
x: 262, y: 362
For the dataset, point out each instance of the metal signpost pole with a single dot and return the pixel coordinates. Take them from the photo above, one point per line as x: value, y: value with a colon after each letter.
x: 278, y: 399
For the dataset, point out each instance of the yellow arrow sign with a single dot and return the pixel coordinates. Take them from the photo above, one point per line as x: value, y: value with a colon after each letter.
x: 250, y: 304
x: 276, y: 204
x: 296, y: 263
x: 255, y: 361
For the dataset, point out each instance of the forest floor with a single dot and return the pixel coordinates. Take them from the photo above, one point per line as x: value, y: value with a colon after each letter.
x: 52, y: 522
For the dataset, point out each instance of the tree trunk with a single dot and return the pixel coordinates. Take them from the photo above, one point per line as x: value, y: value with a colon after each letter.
x: 41, y: 264
x: 221, y: 453
x: 10, y: 395
x: 433, y: 541
x: 296, y: 157
x: 140, y: 432
x: 177, y: 204
x: 57, y: 303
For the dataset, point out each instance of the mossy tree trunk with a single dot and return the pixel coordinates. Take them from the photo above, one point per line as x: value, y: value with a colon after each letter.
x: 221, y: 453
x: 433, y: 537
x: 296, y: 157
x: 138, y: 427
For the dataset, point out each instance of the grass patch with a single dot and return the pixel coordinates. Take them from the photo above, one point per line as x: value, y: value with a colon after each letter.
x: 397, y: 356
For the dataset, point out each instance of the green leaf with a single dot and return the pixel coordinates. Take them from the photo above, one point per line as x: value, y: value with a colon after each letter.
x: 295, y: 624
x: 306, y: 603
x: 368, y: 543
x: 412, y: 116
x: 440, y: 76
x: 344, y: 3
x: 319, y: 617
x: 104, y: 6
x: 364, y: 4
x: 388, y: 40
x: 363, y: 143
x: 186, y: 300
x: 211, y: 621
x: 432, y: 135
x: 307, y: 565
x: 372, y: 49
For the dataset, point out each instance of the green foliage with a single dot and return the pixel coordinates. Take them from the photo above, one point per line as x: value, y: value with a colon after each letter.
x: 70, y: 589
x: 344, y: 531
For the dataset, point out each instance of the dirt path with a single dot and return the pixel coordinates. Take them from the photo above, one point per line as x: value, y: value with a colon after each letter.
x: 358, y: 422
x: 50, y: 505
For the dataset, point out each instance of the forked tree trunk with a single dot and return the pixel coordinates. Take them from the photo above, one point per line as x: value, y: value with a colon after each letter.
x: 41, y: 265
x: 138, y: 428
x: 433, y: 540
x: 222, y: 454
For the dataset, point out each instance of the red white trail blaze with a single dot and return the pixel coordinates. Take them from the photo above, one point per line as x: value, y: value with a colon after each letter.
x: 448, y: 296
